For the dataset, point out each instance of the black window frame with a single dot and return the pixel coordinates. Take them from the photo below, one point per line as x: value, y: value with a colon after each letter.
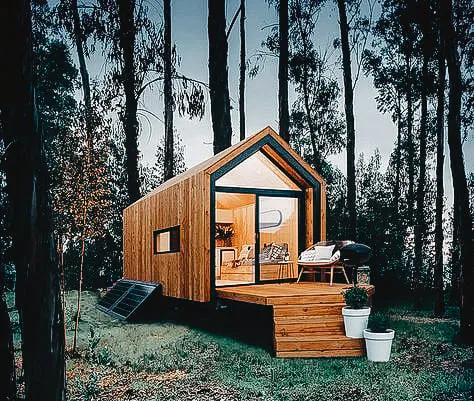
x: 175, y: 239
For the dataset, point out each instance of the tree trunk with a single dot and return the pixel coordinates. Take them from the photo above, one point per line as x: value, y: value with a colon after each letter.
x: 439, y: 238
x: 283, y: 108
x: 420, y: 192
x: 62, y: 283
x: 38, y: 290
x: 81, y: 270
x: 306, y: 94
x: 218, y: 77
x: 410, y: 147
x: 242, y: 71
x: 349, y: 109
x: 454, y: 296
x: 398, y: 162
x: 130, y: 123
x: 461, y: 193
x: 168, y: 95
x: 79, y: 41
x: 79, y: 294
x: 7, y: 352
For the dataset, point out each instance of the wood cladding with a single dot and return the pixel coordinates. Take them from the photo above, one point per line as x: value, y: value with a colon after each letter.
x: 187, y: 205
x: 307, y: 318
x: 185, y: 201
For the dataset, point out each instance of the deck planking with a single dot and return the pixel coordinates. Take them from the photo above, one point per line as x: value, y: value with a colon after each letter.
x: 307, y: 318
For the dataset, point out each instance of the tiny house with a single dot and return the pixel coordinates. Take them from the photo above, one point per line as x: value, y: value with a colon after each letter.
x: 239, y: 218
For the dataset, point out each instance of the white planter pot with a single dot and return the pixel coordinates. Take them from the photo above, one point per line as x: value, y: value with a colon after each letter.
x: 355, y: 321
x: 379, y: 345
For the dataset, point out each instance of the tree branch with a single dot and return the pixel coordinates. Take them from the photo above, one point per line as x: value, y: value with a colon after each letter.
x: 232, y: 23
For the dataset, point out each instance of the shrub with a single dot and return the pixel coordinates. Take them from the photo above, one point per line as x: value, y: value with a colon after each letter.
x: 356, y: 297
x: 378, y: 322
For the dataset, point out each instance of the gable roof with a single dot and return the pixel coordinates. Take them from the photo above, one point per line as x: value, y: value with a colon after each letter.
x: 222, y: 158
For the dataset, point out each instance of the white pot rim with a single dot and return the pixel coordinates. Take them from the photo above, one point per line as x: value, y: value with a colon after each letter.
x: 388, y: 335
x: 346, y: 311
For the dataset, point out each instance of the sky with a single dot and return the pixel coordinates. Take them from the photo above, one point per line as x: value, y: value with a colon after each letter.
x: 189, y: 32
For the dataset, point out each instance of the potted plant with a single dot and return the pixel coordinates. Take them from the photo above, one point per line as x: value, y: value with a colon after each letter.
x: 224, y: 233
x: 356, y: 312
x: 378, y: 338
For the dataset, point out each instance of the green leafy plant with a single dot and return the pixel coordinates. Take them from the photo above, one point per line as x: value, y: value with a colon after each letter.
x: 88, y: 389
x: 224, y: 232
x: 356, y: 297
x: 378, y: 322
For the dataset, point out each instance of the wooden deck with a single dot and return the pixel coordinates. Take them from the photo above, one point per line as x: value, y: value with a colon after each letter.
x: 307, y: 318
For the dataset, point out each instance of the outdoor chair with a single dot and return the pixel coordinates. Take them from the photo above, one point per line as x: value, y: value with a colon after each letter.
x: 322, y: 256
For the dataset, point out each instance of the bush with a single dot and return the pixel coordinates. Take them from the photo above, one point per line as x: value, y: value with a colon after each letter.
x: 378, y: 322
x: 356, y: 297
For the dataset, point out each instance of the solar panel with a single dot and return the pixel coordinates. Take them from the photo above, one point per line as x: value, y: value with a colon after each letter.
x: 125, y: 297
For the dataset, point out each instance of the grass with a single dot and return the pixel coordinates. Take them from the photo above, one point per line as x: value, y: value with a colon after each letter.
x: 196, y: 355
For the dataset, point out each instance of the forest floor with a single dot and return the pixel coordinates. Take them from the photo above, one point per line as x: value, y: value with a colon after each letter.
x: 191, y: 354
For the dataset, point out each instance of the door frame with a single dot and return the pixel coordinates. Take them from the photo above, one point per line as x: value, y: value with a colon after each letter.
x: 258, y: 146
x: 258, y: 192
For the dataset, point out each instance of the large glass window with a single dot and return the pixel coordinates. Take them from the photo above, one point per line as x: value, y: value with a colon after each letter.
x: 166, y: 240
x: 278, y: 227
x: 235, y: 239
x: 257, y: 171
x: 238, y: 259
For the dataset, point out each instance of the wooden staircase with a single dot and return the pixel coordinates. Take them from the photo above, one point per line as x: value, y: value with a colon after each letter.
x: 312, y: 326
x: 307, y: 317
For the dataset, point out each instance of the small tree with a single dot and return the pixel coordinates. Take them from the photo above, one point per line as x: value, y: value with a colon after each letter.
x: 84, y: 196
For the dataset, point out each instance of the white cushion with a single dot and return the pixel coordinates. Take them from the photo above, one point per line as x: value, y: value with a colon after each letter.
x: 324, y: 252
x: 318, y: 253
x: 308, y: 256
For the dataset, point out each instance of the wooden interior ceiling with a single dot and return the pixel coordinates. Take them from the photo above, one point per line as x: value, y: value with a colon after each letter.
x: 257, y: 171
x: 225, y: 200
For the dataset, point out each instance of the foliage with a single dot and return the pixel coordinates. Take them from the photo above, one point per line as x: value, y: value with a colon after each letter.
x: 84, y: 196
x: 463, y: 17
x: 336, y: 201
x: 103, y: 256
x: 378, y: 322
x: 356, y: 297
x: 153, y: 177
x: 224, y: 232
x: 102, y: 29
x: 89, y: 389
x: 5, y: 237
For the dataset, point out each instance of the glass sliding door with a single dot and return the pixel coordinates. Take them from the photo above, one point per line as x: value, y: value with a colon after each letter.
x: 277, y: 237
x: 235, y: 238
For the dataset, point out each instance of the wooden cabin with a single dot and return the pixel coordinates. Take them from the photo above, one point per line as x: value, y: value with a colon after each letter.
x: 231, y: 228
x: 239, y: 218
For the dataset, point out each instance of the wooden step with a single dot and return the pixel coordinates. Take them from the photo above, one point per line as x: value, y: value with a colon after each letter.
x: 308, y: 319
x: 318, y: 343
x: 321, y: 354
x: 309, y: 329
x: 306, y: 299
x: 309, y: 309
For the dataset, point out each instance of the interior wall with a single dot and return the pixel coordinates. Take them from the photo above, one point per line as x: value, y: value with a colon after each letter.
x: 244, y: 226
x: 287, y: 232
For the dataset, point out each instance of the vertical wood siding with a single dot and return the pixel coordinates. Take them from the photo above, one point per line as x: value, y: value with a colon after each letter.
x: 184, y: 274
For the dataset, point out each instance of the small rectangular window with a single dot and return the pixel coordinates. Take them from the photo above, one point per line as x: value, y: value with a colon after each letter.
x: 166, y: 240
